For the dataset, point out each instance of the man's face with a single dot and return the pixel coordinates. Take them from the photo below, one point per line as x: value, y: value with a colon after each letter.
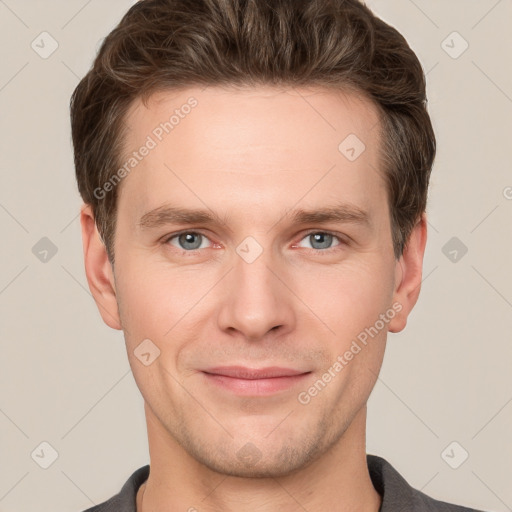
x: 256, y: 287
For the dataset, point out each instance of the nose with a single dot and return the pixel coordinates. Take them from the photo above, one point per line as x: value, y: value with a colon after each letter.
x: 257, y: 300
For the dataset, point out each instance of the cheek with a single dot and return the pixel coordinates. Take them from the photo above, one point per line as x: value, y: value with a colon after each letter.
x: 143, y: 304
x: 350, y: 300
x: 152, y: 306
x: 155, y: 300
x: 347, y: 297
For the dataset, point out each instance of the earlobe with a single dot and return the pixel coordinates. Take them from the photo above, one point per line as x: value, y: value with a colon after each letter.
x: 409, y: 271
x: 99, y: 270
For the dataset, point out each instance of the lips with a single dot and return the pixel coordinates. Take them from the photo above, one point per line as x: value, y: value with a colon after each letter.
x: 241, y: 372
x: 253, y: 381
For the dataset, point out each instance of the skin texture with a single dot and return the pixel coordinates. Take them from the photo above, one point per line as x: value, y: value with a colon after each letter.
x: 252, y: 156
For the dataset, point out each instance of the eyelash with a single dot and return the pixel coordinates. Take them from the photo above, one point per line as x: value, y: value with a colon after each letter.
x: 342, y: 241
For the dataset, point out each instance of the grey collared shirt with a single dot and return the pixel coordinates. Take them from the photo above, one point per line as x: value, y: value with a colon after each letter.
x: 397, y: 495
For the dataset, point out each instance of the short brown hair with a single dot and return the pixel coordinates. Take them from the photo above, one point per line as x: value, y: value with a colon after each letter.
x: 172, y: 44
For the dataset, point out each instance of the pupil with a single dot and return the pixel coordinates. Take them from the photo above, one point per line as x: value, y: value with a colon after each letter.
x: 188, y: 238
x: 323, y: 239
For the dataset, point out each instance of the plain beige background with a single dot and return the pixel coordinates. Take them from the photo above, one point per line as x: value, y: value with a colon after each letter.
x: 67, y: 396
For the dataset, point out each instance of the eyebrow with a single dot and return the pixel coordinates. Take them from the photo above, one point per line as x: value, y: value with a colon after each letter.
x: 165, y: 214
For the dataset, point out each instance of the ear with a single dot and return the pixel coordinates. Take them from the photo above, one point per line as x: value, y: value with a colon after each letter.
x: 99, y: 270
x: 408, y: 272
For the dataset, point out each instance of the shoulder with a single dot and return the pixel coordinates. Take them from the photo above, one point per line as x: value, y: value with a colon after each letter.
x: 124, y: 500
x: 422, y: 502
x: 398, y: 496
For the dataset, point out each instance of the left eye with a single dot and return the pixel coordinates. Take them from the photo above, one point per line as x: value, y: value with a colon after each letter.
x: 322, y: 240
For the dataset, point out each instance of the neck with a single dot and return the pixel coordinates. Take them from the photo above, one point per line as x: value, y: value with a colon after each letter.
x: 337, y: 480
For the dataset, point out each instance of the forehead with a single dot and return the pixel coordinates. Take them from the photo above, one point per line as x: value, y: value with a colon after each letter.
x: 232, y: 120
x: 261, y: 140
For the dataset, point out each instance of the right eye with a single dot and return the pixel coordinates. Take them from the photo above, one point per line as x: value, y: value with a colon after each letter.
x: 188, y: 241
